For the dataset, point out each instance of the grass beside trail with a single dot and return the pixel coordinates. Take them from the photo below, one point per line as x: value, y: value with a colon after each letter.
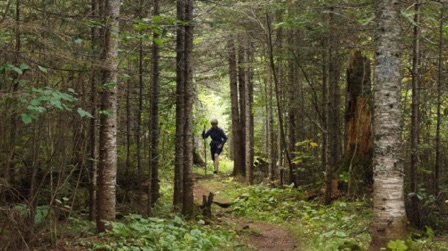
x: 343, y: 225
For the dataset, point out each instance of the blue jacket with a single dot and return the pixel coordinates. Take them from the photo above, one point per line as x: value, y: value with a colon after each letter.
x: 217, y: 134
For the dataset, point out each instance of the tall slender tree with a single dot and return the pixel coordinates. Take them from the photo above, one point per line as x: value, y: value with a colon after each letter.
x: 188, y: 198
x: 333, y: 103
x: 389, y: 217
x: 273, y: 68
x: 248, y: 125
x: 237, y: 140
x: 414, y: 214
x: 154, y: 121
x: 180, y: 103
x: 107, y: 166
x: 438, y: 157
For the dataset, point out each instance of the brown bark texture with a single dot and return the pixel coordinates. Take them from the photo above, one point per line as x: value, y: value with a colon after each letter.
x: 188, y: 184
x: 180, y: 80
x: 359, y: 145
x: 237, y: 143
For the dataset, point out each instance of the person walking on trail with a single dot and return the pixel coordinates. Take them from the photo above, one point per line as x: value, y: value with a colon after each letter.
x: 219, y: 138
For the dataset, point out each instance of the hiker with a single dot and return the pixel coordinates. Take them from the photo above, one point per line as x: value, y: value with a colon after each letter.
x: 219, y: 138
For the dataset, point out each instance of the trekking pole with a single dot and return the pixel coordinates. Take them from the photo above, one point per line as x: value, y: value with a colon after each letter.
x: 205, y: 154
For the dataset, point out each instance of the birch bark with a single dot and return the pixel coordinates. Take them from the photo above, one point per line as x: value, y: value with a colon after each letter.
x: 389, y: 217
x: 107, y: 168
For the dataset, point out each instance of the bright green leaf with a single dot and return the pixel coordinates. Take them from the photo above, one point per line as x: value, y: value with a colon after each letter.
x: 84, y: 113
x: 397, y: 245
x: 26, y: 118
x: 105, y: 112
x: 158, y: 41
x: 16, y: 69
x: 125, y: 76
x: 42, y: 69
x: 157, y: 19
x: 24, y: 67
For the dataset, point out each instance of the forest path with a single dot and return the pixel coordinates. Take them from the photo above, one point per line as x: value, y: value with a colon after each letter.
x: 261, y: 235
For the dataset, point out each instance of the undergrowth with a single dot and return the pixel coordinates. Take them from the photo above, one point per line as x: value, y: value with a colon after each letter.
x: 343, y: 225
x: 318, y: 227
x: 136, y: 232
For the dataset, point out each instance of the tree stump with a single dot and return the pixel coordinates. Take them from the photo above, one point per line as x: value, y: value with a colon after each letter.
x: 206, y: 206
x: 357, y: 161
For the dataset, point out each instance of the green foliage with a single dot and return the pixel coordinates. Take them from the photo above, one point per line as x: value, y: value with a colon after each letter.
x: 341, y: 226
x: 41, y: 212
x: 156, y: 25
x: 267, y: 204
x: 140, y: 233
x: 397, y: 245
x: 39, y: 100
x: 332, y: 227
x: 423, y: 196
x: 426, y: 241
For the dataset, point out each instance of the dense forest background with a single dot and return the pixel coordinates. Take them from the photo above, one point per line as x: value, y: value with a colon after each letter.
x: 103, y: 103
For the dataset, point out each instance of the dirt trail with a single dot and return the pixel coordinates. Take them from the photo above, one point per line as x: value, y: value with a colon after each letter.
x: 263, y: 236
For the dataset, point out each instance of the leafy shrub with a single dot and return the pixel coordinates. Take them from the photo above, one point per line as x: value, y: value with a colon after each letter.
x: 267, y: 204
x: 140, y: 233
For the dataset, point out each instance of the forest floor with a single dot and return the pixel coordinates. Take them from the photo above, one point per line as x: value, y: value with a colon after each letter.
x: 259, y: 235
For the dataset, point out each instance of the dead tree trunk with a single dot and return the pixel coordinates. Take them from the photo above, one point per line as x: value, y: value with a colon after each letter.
x: 358, y: 116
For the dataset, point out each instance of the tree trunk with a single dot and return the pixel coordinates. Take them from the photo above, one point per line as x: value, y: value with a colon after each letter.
x: 154, y: 121
x: 270, y: 131
x: 128, y: 133
x: 414, y: 214
x: 358, y: 116
x: 282, y: 139
x: 325, y: 164
x: 242, y: 81
x: 389, y: 217
x: 248, y: 128
x: 250, y: 80
x: 292, y: 102
x: 333, y: 101
x: 107, y: 168
x: 188, y: 198
x: 439, y: 104
x: 238, y: 153
x: 97, y: 10
x: 138, y: 133
x: 180, y: 102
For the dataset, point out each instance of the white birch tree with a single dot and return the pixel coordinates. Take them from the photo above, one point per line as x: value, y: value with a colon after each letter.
x: 389, y: 216
x: 107, y: 168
